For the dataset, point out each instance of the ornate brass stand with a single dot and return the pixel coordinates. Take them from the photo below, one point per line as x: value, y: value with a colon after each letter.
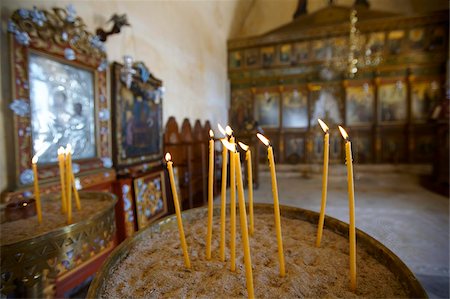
x: 26, y: 265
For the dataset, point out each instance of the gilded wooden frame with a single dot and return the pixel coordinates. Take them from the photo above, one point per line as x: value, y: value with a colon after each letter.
x: 60, y: 35
x: 148, y: 196
x: 144, y: 94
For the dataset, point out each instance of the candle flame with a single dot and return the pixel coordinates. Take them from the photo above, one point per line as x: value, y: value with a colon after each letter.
x: 68, y: 149
x: 35, y: 159
x: 263, y: 139
x: 229, y: 130
x: 243, y: 146
x: 343, y: 133
x: 221, y: 129
x: 61, y: 150
x: 211, y: 133
x: 230, y: 146
x: 168, y: 157
x: 323, y: 125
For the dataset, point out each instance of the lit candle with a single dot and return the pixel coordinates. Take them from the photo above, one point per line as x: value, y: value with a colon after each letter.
x: 61, y: 161
x: 223, y: 198
x: 232, y: 205
x: 75, y: 193
x: 69, y: 182
x: 248, y: 157
x: 244, y: 229
x: 351, y: 205
x: 37, y: 196
x: 210, y: 194
x: 176, y: 203
x: 276, y: 205
x: 326, y: 147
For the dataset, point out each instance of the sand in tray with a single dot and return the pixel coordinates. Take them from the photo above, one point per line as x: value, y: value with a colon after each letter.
x: 154, y: 267
x: 52, y: 218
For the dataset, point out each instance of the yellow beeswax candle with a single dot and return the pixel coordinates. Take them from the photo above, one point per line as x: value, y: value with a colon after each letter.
x: 351, y: 205
x: 75, y: 193
x: 37, y: 195
x: 244, y: 229
x: 276, y: 204
x: 326, y: 150
x: 232, y: 209
x: 176, y: 204
x: 248, y: 157
x: 69, y: 183
x: 210, y: 195
x: 223, y: 198
x: 62, y: 174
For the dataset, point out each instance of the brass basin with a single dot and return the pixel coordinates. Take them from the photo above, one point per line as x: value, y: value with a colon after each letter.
x: 58, y: 251
x: 383, y: 255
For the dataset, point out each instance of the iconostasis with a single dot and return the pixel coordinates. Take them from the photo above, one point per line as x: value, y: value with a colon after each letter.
x: 283, y: 81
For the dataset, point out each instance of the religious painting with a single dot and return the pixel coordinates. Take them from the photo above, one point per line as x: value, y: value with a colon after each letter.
x: 62, y: 107
x: 58, y: 95
x: 424, y: 97
x: 416, y: 38
x: 137, y: 109
x: 295, y: 109
x: 395, y: 41
x: 437, y: 38
x: 150, y: 198
x: 375, y: 42
x: 301, y: 51
x: 392, y: 101
x: 393, y: 148
x: 362, y: 147
x: 335, y: 145
x: 326, y: 104
x: 424, y: 147
x: 294, y: 149
x: 285, y: 53
x: 251, y: 57
x: 359, y: 104
x: 241, y: 110
x: 321, y: 50
x: 340, y: 46
x: 235, y: 60
x: 267, y: 109
x: 267, y: 56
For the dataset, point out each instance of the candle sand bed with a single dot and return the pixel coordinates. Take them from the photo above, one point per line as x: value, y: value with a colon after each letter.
x: 52, y: 218
x: 154, y: 267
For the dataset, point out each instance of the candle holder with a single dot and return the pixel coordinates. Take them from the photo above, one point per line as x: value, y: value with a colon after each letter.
x: 57, y: 252
x: 378, y: 251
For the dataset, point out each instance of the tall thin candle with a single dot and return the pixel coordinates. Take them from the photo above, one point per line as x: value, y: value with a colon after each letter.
x: 75, y: 193
x: 244, y: 228
x: 210, y: 194
x: 248, y: 157
x: 223, y: 198
x: 276, y: 204
x: 232, y: 206
x: 326, y: 150
x: 37, y: 196
x: 351, y: 205
x: 69, y: 182
x: 62, y: 177
x: 176, y: 204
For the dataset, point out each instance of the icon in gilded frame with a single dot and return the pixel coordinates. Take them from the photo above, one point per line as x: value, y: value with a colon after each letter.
x: 267, y: 108
x: 359, y: 104
x: 392, y: 99
x: 425, y: 95
x: 295, y: 109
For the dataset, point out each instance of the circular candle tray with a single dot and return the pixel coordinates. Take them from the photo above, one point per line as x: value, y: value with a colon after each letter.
x: 373, y: 247
x: 60, y: 250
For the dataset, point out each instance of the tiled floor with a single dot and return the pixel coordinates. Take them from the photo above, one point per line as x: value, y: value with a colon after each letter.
x: 391, y: 206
